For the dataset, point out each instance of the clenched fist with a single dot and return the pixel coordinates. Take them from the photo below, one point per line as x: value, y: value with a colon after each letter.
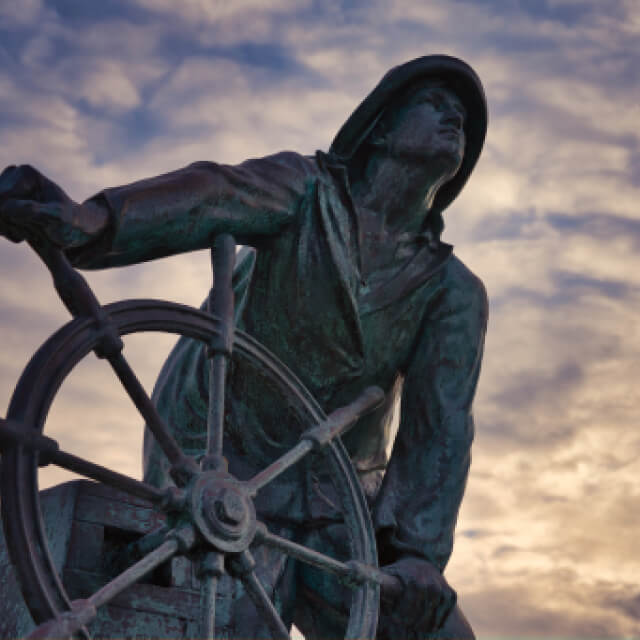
x: 32, y: 207
x: 426, y: 601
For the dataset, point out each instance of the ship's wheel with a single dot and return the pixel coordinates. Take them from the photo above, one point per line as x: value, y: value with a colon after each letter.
x: 211, y: 513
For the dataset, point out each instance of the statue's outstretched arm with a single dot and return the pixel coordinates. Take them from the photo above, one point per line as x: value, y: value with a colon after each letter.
x: 173, y: 213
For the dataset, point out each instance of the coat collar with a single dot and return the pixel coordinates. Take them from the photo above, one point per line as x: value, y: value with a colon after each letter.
x: 431, y: 255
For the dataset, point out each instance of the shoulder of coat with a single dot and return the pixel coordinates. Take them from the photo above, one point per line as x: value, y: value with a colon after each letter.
x: 295, y: 160
x: 465, y: 284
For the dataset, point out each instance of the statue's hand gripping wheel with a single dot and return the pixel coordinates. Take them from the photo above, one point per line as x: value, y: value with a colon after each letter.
x: 213, y: 515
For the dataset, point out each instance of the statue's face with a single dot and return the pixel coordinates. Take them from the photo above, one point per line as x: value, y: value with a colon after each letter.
x: 428, y: 127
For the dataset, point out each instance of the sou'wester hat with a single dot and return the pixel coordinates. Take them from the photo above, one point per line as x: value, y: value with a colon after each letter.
x: 457, y: 75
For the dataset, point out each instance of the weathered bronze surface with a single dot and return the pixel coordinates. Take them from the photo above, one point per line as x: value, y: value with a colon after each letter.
x: 345, y: 279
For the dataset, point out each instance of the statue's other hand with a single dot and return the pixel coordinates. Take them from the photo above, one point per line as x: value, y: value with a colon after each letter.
x: 426, y: 601
x: 32, y: 207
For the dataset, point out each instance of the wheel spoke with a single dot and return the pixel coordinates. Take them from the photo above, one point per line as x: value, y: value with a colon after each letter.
x: 352, y: 573
x: 177, y: 540
x: 215, y: 411
x: 208, y: 590
x: 66, y: 624
x: 300, y: 552
x: 183, y: 467
x: 84, y: 611
x: 171, y: 498
x: 338, y: 423
x: 221, y: 304
x: 211, y: 570
x: 243, y: 567
x: 17, y: 433
x: 278, y: 467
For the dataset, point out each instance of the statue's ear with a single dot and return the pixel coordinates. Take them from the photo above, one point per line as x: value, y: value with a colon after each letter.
x: 378, y: 141
x: 379, y: 136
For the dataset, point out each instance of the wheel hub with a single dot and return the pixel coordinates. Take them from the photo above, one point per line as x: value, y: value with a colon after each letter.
x: 223, y: 512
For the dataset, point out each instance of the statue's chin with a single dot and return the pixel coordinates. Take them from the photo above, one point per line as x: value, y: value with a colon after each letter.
x: 440, y: 165
x: 448, y: 154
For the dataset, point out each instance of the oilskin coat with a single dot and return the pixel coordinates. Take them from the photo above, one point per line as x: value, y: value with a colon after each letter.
x: 416, y: 329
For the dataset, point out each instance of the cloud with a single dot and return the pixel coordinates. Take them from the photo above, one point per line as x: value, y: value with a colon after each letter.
x: 199, y: 10
x: 574, y: 609
x: 21, y: 14
x: 598, y: 226
x: 215, y: 23
x: 628, y: 604
x: 533, y: 389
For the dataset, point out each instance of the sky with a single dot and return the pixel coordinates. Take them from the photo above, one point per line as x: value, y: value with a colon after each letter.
x: 101, y: 94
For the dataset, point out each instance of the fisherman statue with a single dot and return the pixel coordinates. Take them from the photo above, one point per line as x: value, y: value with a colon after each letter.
x: 345, y: 278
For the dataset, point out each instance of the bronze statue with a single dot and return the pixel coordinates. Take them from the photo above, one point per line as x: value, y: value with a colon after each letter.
x: 344, y: 277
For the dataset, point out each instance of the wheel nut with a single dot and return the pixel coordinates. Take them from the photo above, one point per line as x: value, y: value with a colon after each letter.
x: 229, y: 508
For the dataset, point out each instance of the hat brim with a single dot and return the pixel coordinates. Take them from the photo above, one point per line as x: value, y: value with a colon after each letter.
x: 456, y: 74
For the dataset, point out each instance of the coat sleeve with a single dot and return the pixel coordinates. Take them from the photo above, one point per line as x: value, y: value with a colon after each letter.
x: 417, y: 507
x: 181, y: 211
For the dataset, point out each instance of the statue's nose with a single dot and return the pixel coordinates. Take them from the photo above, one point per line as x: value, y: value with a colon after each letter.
x: 453, y: 118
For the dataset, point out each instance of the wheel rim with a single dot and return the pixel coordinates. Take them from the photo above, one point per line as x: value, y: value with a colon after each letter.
x: 34, y: 394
